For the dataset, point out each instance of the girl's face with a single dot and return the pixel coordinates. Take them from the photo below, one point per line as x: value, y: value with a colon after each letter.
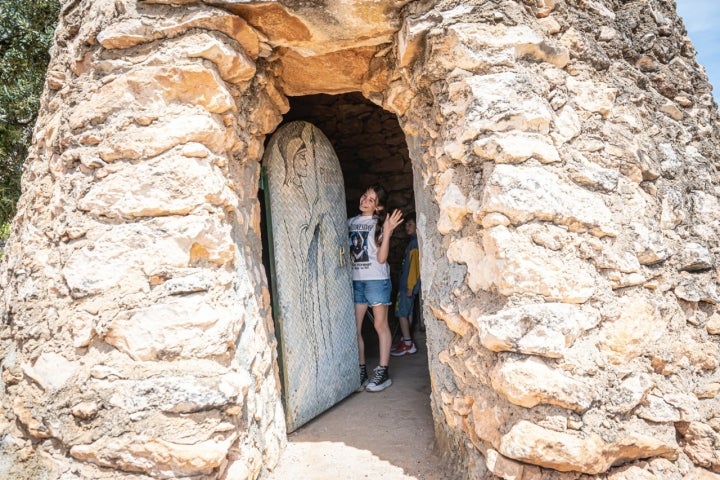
x: 369, y: 202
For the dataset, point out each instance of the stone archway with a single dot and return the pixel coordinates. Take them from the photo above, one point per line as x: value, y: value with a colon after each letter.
x: 371, y: 148
x: 564, y: 157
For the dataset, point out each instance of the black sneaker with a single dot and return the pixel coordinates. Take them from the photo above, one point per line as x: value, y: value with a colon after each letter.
x: 380, y: 381
x: 364, y: 380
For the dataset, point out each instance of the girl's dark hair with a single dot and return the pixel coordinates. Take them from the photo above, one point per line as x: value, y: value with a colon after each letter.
x: 380, y: 216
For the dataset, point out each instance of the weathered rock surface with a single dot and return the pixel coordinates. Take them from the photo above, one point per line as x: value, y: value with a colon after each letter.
x: 564, y: 164
x: 570, y: 452
x: 546, y: 329
x: 530, y: 382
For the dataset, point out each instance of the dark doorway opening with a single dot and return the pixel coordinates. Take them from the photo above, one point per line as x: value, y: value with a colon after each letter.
x: 371, y: 148
x: 396, y: 424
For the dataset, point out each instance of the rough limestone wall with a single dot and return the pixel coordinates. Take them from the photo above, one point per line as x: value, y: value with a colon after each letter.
x: 565, y: 178
x: 566, y: 161
x: 136, y: 332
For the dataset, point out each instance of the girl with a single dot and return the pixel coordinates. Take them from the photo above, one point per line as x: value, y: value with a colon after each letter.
x: 371, y: 279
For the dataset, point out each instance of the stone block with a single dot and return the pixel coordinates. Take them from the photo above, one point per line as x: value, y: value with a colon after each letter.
x: 630, y: 392
x: 516, y: 147
x: 568, y: 452
x: 546, y: 329
x: 176, y: 394
x: 713, y: 324
x: 503, y: 467
x: 629, y: 335
x: 153, y: 89
x: 412, y: 35
x: 695, y: 258
x: 162, y: 243
x: 512, y: 264
x: 495, y: 102
x: 155, y: 456
x: 592, y: 96
x: 529, y: 382
x: 526, y: 194
x: 135, y: 31
x: 546, y: 448
x: 51, y: 371
x: 181, y: 327
x: 700, y: 443
x: 170, y: 184
x: 631, y: 473
x: 701, y: 474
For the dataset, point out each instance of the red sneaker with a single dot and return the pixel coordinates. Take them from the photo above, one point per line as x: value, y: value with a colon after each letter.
x: 403, y: 349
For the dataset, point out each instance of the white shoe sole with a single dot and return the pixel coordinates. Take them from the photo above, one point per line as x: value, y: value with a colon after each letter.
x: 401, y: 353
x: 379, y: 388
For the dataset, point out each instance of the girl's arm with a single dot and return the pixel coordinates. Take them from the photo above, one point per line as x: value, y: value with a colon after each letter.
x: 391, y: 222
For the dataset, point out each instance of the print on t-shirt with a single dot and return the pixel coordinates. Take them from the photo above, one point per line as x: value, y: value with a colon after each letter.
x: 359, y: 246
x: 364, y: 250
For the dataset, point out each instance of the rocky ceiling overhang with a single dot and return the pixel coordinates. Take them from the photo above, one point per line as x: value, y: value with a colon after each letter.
x: 322, y: 46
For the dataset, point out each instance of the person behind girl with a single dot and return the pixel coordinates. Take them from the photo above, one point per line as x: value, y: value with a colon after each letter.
x: 408, y: 289
x: 371, y: 279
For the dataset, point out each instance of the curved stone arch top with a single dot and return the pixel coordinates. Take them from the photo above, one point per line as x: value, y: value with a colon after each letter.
x: 564, y: 161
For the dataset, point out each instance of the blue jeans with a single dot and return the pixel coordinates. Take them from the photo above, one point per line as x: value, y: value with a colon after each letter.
x: 372, y: 292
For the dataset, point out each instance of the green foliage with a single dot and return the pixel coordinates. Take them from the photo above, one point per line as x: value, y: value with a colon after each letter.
x: 4, y: 231
x: 26, y: 34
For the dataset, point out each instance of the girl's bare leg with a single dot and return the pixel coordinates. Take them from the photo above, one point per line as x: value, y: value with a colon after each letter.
x: 360, y: 309
x: 380, y: 312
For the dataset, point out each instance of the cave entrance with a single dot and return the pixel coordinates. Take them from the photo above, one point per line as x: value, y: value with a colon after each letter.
x: 371, y: 148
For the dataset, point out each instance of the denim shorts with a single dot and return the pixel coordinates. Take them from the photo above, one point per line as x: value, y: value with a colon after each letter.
x: 372, y: 292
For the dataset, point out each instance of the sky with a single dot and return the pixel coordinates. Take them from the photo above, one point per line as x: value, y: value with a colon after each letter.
x: 702, y: 21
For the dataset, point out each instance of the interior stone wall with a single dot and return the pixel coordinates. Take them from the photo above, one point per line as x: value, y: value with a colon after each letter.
x: 565, y: 176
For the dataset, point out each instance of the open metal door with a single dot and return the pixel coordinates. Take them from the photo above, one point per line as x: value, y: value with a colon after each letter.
x: 312, y: 285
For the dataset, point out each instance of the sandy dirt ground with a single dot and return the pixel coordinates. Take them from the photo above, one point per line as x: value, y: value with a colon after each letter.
x: 386, y: 435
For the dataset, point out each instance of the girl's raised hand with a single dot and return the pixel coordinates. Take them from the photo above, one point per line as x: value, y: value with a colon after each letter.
x: 393, y: 220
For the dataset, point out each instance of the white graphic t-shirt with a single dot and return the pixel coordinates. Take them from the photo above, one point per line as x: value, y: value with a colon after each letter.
x: 363, y: 250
